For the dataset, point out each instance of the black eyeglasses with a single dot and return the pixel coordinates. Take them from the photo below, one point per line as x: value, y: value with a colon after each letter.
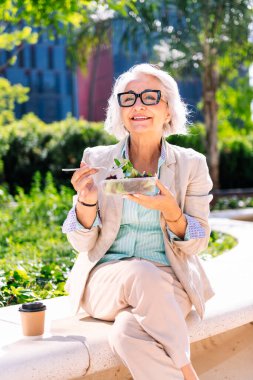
x: 148, y: 97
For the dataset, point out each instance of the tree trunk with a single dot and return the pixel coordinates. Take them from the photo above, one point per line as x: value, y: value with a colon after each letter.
x: 210, y: 84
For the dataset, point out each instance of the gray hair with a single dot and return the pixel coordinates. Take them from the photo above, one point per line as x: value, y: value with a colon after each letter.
x: 177, y: 124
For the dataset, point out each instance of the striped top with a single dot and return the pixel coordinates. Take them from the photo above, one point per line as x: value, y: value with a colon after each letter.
x: 140, y: 233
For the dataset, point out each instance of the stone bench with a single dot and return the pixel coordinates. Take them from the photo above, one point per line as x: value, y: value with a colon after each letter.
x: 74, y: 347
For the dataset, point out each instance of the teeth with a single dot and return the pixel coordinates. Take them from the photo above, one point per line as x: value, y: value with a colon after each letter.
x: 140, y: 118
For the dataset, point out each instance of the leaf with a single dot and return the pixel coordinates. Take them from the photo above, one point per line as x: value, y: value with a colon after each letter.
x: 117, y: 162
x: 13, y: 60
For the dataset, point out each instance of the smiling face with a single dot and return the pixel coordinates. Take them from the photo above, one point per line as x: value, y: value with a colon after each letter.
x: 143, y: 119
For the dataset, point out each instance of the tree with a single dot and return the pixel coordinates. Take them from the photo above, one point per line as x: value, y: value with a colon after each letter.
x: 9, y: 95
x: 235, y: 113
x: 23, y: 21
x: 209, y: 38
x: 48, y: 16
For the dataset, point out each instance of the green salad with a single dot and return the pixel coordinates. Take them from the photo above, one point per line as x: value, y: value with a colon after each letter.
x: 129, y: 171
x: 132, y: 181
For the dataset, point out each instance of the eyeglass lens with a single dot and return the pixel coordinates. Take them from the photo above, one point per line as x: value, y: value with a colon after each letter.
x: 147, y: 98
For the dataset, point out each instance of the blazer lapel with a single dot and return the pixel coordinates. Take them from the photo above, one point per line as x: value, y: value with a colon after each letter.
x: 167, y: 173
x: 112, y: 205
x: 111, y: 211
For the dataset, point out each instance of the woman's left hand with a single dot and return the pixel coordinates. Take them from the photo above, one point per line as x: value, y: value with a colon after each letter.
x: 164, y: 201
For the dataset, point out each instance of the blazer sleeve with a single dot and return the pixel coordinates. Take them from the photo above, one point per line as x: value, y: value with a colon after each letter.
x: 196, y: 205
x: 83, y: 240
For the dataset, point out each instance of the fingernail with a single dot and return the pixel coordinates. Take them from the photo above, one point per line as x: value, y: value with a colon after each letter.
x: 137, y: 195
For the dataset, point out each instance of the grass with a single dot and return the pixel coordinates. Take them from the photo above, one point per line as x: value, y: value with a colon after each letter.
x: 218, y: 244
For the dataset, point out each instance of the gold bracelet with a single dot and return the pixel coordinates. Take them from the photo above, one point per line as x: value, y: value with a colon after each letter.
x: 174, y: 221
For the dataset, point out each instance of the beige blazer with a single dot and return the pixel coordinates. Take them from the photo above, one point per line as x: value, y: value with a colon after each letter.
x: 186, y: 175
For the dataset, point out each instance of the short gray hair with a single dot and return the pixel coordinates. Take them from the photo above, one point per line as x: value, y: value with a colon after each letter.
x: 177, y: 124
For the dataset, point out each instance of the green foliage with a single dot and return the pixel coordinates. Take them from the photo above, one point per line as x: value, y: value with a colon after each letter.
x: 29, y: 144
x: 22, y: 22
x: 48, y: 13
x: 236, y: 162
x: 195, y: 138
x: 5, y: 197
x: 128, y: 169
x: 9, y: 95
x: 218, y: 244
x: 35, y: 257
x: 96, y: 31
x: 9, y: 41
x: 234, y: 202
x: 51, y: 17
x: 235, y: 150
x: 234, y: 113
x: 235, y: 131
x: 192, y: 34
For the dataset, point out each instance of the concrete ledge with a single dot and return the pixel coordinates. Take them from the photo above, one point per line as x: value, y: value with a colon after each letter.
x: 231, y: 277
x: 54, y: 357
x: 74, y: 347
x: 244, y: 214
x: 51, y: 356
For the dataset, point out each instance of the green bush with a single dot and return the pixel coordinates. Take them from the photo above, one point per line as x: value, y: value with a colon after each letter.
x: 234, y: 202
x: 236, y: 162
x: 195, y: 138
x: 30, y: 145
x: 9, y: 95
x: 35, y: 256
x: 236, y: 155
x: 218, y: 244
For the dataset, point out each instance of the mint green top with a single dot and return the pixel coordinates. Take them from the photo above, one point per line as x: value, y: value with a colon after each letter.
x: 140, y: 233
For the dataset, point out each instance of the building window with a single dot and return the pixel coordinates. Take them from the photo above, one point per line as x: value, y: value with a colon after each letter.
x: 39, y: 82
x: 32, y: 57
x: 28, y: 80
x: 50, y: 57
x: 21, y: 58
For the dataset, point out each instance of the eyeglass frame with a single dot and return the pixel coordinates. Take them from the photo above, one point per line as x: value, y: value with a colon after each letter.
x: 140, y: 96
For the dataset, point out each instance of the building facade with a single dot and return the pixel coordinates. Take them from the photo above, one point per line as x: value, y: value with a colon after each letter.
x: 53, y: 86
x: 56, y: 90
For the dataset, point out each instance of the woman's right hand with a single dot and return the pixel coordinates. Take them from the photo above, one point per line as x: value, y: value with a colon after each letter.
x: 84, y: 185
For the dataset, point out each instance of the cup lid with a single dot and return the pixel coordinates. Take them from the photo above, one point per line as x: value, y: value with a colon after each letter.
x: 32, y: 306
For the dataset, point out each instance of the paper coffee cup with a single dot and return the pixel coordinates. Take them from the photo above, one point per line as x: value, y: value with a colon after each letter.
x: 33, y: 318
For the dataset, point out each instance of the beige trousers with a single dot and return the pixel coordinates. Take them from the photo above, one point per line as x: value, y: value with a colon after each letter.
x: 149, y: 306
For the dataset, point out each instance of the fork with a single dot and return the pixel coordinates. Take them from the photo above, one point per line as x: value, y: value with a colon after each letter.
x: 74, y: 169
x: 97, y: 167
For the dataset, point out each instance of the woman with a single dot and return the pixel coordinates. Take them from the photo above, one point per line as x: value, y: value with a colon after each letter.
x: 138, y: 263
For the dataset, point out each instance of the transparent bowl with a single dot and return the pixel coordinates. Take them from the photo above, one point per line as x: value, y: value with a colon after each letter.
x: 146, y: 185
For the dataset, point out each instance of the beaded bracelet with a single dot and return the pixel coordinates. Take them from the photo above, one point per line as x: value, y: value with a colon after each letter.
x: 87, y: 204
